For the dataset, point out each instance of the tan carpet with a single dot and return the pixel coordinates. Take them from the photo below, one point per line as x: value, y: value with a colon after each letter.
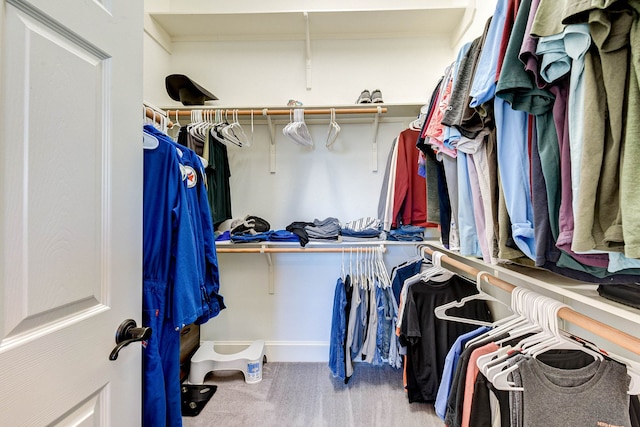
x: 305, y: 394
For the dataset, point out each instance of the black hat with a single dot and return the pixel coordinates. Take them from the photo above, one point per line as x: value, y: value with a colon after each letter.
x: 182, y: 88
x: 251, y: 224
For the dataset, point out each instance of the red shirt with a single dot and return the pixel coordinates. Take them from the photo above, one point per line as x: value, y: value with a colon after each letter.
x: 410, y: 191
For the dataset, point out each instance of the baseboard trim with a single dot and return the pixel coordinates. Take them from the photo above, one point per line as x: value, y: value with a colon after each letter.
x: 282, y: 351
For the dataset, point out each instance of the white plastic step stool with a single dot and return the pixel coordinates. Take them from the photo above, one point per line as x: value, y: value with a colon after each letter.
x: 206, y: 359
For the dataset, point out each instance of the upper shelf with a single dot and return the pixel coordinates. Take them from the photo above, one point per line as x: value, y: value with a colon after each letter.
x: 404, y: 110
x: 285, y: 20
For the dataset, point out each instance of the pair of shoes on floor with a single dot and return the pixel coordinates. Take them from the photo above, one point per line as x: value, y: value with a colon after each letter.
x: 367, y: 97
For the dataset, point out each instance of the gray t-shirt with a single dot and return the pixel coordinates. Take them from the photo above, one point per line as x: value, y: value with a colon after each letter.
x: 595, y: 395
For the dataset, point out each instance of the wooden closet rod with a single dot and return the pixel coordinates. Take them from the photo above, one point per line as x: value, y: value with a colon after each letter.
x: 267, y: 250
x: 605, y: 331
x: 156, y: 117
x: 280, y: 112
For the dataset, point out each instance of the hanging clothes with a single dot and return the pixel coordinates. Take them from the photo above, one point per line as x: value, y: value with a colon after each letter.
x: 427, y: 338
x: 217, y: 171
x: 180, y: 271
x: 363, y: 320
x: 522, y: 370
x: 542, y: 67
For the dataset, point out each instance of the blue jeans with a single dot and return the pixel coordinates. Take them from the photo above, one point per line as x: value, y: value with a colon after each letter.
x: 338, y: 331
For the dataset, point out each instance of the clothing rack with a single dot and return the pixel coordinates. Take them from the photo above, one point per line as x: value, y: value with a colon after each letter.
x: 284, y: 111
x: 605, y: 331
x: 263, y: 249
x: 267, y: 250
x: 280, y: 111
x: 156, y: 116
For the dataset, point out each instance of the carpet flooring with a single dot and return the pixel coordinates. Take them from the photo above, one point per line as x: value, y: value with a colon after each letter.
x: 306, y: 394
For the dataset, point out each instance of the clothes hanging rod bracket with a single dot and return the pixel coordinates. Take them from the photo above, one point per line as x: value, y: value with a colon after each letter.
x: 272, y: 141
x: 374, y: 149
x: 308, y: 50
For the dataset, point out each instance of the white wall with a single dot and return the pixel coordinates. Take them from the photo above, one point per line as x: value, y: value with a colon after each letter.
x: 157, y: 65
x: 271, y: 73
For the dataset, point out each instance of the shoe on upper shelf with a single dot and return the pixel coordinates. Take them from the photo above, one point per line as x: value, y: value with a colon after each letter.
x: 364, y: 98
x: 376, y: 97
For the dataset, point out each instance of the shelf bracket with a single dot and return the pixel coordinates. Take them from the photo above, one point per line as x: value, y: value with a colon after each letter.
x: 374, y: 154
x: 272, y: 141
x: 308, y: 47
x: 270, y: 264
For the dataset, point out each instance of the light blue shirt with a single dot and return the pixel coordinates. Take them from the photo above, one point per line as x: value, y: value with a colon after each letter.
x: 513, y: 161
x: 450, y: 364
x: 469, y: 245
x: 483, y: 87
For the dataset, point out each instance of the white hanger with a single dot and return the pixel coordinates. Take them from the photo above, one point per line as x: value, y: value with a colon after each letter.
x: 229, y: 132
x: 237, y: 130
x: 334, y: 129
x: 382, y: 269
x: 557, y: 339
x: 550, y: 338
x: 497, y: 375
x: 149, y: 142
x: 419, y: 121
x: 440, y: 311
x: 218, y: 125
x: 177, y: 121
x: 523, y: 303
x: 436, y: 273
x: 297, y: 129
x: 301, y: 129
x: 504, y: 325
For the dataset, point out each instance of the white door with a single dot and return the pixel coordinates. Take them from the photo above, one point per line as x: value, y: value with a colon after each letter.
x: 71, y: 201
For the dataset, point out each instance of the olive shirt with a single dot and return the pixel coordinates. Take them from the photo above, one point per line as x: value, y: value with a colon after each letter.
x: 598, y: 223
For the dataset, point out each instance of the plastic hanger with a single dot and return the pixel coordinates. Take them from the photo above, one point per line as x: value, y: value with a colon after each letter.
x: 301, y: 129
x: 334, y: 129
x: 436, y: 273
x: 528, y: 322
x: 149, y: 142
x: 550, y: 338
x: 230, y: 132
x: 382, y: 268
x: 440, y: 311
x: 504, y: 325
x: 557, y: 340
x: 177, y: 123
x: 238, y: 131
x: 297, y: 129
x: 419, y: 121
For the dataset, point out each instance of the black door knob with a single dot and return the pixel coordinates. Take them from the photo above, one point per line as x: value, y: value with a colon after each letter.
x: 127, y: 333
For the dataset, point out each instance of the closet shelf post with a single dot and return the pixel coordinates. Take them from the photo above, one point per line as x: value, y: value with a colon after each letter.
x: 374, y: 154
x: 272, y: 141
x: 272, y: 287
x: 308, y: 46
